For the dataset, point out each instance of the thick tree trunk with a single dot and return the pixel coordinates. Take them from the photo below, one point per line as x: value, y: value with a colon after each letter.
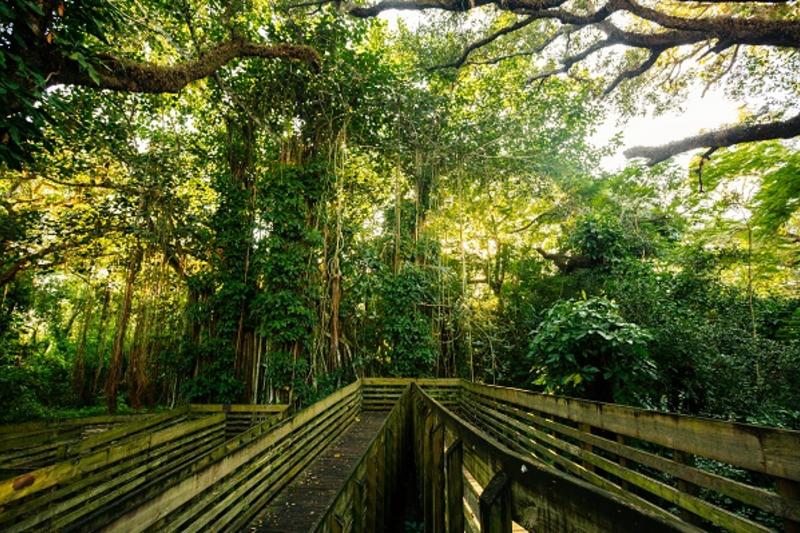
x: 112, y: 382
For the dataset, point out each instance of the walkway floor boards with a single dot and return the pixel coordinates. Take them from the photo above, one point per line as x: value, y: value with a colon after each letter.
x: 300, y: 504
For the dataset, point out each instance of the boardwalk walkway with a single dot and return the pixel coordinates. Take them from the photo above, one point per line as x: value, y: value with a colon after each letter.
x: 484, y: 458
x: 300, y: 505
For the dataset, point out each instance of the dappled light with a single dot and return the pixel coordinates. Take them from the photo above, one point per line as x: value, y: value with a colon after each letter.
x: 399, y: 265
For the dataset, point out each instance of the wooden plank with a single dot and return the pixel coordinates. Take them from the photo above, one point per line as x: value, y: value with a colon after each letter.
x: 526, y: 445
x: 93, y: 492
x: 233, y: 500
x: 767, y: 450
x: 686, y: 501
x: 790, y: 491
x: 390, y: 438
x: 7, y: 430
x: 544, y: 499
x: 437, y: 478
x: 125, y: 430
x: 238, y: 408
x: 427, y: 471
x: 238, y: 508
x: 453, y: 382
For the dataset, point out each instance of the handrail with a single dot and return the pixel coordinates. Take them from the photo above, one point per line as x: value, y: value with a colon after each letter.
x: 768, y: 450
x: 245, y: 476
x: 546, y: 462
x: 538, y: 497
x: 616, y: 447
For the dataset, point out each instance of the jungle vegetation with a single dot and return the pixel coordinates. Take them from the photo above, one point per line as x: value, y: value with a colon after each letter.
x: 259, y: 201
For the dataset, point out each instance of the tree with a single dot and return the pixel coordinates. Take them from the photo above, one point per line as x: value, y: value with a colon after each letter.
x: 46, y: 43
x: 653, y: 39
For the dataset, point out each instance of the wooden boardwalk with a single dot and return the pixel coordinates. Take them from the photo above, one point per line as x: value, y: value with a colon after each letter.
x: 484, y: 458
x: 299, y: 506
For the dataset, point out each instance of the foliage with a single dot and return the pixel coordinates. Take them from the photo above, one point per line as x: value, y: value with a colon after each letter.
x: 274, y: 231
x: 585, y: 348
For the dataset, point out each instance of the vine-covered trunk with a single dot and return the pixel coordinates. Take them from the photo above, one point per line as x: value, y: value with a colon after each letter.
x: 112, y: 381
x: 101, y: 340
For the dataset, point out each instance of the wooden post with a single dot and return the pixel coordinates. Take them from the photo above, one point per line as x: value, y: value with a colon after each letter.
x: 495, y: 505
x: 454, y: 482
x: 790, y: 490
x: 586, y: 428
x: 380, y: 485
x: 359, y: 505
x: 427, y: 497
x: 687, y: 487
x: 419, y: 445
x: 622, y: 461
x: 437, y: 477
x: 390, y: 475
x: 371, y: 493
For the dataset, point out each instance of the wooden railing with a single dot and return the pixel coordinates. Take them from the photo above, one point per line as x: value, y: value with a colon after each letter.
x: 382, y: 393
x: 105, y: 474
x: 448, y: 452
x: 31, y: 445
x: 241, y: 417
x: 227, y: 493
x: 704, y: 472
x: 487, y: 458
x: 515, y: 489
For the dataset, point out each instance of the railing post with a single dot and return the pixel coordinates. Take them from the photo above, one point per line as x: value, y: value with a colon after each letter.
x: 427, y: 493
x: 623, y: 462
x: 390, y: 479
x: 789, y: 490
x: 380, y: 485
x: 454, y: 484
x: 495, y: 505
x: 586, y: 428
x: 437, y: 477
x: 359, y: 505
x: 371, y: 490
x: 686, y: 487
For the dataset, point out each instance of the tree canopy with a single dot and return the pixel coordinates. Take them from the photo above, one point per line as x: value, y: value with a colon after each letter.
x: 258, y: 202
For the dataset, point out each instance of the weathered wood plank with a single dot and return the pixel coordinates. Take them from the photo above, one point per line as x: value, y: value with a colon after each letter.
x: 495, y: 505
x: 543, y: 499
x: 228, y: 458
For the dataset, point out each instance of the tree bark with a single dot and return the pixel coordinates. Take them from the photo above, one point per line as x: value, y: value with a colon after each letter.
x: 112, y: 382
x: 79, y: 364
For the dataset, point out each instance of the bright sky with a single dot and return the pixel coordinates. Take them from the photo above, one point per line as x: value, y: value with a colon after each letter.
x: 697, y: 114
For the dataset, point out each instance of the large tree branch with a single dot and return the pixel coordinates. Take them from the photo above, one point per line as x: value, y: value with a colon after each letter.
x: 486, y: 40
x: 663, y: 30
x: 11, y: 269
x: 631, y: 73
x: 121, y: 74
x: 762, y: 31
x: 450, y: 5
x: 783, y: 129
